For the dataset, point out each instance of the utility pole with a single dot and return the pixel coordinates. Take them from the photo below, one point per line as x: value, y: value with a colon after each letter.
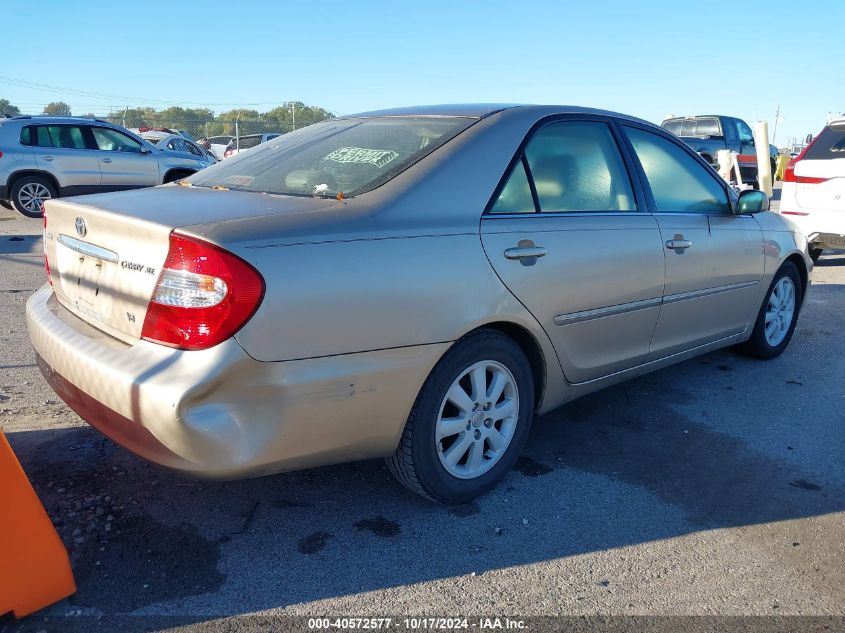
x: 775, y: 131
x: 293, y: 113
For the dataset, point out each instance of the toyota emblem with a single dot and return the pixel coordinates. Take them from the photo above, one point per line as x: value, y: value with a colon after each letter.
x: 80, y: 227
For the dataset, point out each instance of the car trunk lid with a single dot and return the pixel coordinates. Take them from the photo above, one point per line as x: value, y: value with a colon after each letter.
x: 105, y: 252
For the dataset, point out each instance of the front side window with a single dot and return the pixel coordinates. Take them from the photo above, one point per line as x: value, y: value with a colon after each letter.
x: 349, y: 156
x: 61, y: 136
x: 113, y: 141
x: 679, y: 183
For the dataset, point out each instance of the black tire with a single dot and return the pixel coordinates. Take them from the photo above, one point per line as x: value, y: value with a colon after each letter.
x: 757, y: 346
x: 7, y: 205
x: 815, y: 253
x: 416, y: 463
x: 19, y: 188
x: 177, y: 174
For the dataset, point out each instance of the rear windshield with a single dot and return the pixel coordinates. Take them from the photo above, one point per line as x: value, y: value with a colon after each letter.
x: 703, y: 126
x: 348, y: 156
x: 829, y: 144
x: 245, y: 142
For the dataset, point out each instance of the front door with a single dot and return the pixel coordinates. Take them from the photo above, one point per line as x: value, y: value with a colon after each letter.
x: 569, y: 238
x: 122, y: 163
x: 714, y: 259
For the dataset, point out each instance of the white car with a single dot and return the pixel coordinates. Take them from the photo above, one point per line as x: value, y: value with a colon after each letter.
x: 246, y: 142
x: 217, y: 144
x: 813, y: 193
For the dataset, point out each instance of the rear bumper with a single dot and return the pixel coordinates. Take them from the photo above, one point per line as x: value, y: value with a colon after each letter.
x: 219, y: 412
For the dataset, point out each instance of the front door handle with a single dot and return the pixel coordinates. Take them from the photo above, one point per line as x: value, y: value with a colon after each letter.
x: 524, y: 252
x: 48, y: 158
x: 106, y: 160
x: 678, y: 244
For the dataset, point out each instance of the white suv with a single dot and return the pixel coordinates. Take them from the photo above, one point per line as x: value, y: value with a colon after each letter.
x: 813, y: 193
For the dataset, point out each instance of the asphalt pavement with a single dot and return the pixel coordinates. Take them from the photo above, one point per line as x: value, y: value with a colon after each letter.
x: 713, y: 487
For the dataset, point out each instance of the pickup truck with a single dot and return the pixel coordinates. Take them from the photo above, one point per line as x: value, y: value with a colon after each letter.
x: 707, y: 134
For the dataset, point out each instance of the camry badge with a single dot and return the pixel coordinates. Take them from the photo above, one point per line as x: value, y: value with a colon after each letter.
x: 80, y: 227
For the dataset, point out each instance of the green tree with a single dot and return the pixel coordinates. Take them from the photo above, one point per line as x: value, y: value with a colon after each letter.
x: 7, y: 109
x: 296, y: 114
x: 57, y: 108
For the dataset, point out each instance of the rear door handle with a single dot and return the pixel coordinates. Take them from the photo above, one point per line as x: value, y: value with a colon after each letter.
x: 524, y: 252
x: 48, y: 158
x: 107, y: 160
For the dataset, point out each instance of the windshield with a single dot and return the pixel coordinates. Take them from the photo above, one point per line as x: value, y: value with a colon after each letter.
x: 348, y: 156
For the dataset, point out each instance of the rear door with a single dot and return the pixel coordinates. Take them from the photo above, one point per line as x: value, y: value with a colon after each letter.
x: 820, y: 180
x: 122, y: 164
x: 567, y: 234
x: 714, y: 259
x: 62, y: 150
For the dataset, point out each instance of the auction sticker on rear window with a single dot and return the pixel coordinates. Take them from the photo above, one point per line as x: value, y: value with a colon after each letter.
x: 377, y: 157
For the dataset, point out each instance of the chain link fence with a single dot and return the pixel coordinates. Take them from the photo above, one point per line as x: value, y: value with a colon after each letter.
x: 203, y: 128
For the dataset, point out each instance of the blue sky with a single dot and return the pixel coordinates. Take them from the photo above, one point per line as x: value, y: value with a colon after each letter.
x: 646, y: 58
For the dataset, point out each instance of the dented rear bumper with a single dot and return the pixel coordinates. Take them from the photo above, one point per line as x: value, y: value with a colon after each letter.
x: 220, y: 413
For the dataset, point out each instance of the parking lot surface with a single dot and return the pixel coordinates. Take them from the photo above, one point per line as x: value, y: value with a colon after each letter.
x: 713, y: 487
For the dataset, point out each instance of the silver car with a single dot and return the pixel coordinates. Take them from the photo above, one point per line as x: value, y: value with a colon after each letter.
x: 47, y: 157
x: 412, y: 284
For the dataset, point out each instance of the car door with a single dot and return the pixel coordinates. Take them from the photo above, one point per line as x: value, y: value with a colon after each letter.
x: 122, y: 163
x: 567, y: 233
x: 62, y: 151
x: 714, y: 258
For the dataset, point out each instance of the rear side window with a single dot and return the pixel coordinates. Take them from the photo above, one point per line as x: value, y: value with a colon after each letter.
x: 61, y: 136
x: 679, y: 183
x: 829, y: 144
x: 574, y: 166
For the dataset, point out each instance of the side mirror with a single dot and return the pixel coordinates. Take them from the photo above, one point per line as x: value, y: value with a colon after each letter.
x: 752, y: 201
x: 808, y: 139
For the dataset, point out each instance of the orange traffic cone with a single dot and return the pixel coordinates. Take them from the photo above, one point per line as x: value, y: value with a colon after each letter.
x: 34, y: 565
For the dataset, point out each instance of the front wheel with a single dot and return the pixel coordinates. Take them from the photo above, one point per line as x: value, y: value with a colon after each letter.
x: 469, y: 422
x: 778, y: 315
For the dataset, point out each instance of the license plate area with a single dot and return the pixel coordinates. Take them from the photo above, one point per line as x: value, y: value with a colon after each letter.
x: 86, y: 275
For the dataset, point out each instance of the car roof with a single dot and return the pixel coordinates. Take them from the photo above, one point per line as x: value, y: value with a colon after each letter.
x: 482, y: 110
x: 58, y: 119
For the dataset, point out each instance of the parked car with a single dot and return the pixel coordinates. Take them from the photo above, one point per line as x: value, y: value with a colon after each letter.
x: 246, y: 142
x: 813, y: 193
x: 217, y: 144
x: 46, y: 157
x: 414, y: 284
x: 710, y: 133
x: 180, y: 144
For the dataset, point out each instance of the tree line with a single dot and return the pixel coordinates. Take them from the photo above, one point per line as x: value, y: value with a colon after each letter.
x: 198, y: 121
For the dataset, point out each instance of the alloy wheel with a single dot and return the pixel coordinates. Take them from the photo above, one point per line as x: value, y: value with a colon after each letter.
x: 32, y: 195
x: 779, y: 311
x: 477, y: 419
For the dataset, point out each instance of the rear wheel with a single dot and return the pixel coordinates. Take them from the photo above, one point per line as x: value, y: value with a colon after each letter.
x: 469, y: 422
x: 29, y: 193
x: 778, y: 315
x: 815, y: 253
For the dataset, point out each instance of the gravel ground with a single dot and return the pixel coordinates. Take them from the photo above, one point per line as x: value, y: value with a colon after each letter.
x: 713, y: 487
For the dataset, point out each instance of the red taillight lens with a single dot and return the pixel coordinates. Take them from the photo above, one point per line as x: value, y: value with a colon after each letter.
x: 227, y: 153
x: 204, y: 295
x: 44, y: 244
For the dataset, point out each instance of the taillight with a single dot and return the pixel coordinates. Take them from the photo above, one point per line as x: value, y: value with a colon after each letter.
x: 44, y: 244
x: 227, y: 153
x: 204, y: 295
x: 789, y: 171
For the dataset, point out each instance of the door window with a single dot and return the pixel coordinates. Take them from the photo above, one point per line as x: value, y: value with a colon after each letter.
x: 679, y: 183
x: 746, y: 137
x: 113, y: 141
x: 573, y: 166
x: 63, y: 136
